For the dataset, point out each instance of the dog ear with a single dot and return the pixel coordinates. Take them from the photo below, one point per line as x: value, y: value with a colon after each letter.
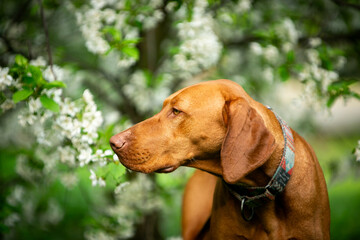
x: 247, y: 144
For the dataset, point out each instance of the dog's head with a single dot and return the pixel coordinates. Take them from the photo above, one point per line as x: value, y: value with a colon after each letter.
x: 210, y: 126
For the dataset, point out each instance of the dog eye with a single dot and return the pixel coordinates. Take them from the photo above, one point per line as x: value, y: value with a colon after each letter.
x: 175, y: 111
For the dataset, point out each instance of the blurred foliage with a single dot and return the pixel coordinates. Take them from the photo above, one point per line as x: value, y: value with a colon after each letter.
x: 131, y: 55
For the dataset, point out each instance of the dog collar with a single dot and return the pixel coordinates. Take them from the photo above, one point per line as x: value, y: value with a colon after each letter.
x: 251, y: 197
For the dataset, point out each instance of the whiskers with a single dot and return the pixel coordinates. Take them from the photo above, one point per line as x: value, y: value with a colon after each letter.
x: 191, y: 160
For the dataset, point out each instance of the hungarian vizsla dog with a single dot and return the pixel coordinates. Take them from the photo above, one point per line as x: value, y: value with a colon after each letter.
x: 258, y: 178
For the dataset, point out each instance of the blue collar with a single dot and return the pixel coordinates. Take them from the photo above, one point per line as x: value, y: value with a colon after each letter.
x: 251, y: 197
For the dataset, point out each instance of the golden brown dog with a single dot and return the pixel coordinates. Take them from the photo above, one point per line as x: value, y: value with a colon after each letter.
x: 216, y: 127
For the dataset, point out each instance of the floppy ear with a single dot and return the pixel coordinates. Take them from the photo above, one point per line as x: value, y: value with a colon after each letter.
x: 247, y: 144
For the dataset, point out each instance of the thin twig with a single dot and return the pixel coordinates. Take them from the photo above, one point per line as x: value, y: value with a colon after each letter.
x: 347, y: 4
x: 46, y: 37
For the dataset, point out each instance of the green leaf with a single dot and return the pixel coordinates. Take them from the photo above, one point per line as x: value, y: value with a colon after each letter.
x: 20, y: 60
x: 283, y: 73
x: 29, y: 81
x: 174, y: 50
x: 290, y: 57
x: 36, y: 73
x: 2, y: 97
x: 131, y: 41
x: 132, y: 52
x: 341, y: 89
x: 116, y: 170
x: 49, y: 103
x: 116, y: 35
x: 55, y: 84
x: 112, y: 171
x: 331, y: 100
x: 22, y: 95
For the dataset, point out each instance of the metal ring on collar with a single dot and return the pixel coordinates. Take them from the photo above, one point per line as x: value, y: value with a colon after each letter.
x: 243, y: 211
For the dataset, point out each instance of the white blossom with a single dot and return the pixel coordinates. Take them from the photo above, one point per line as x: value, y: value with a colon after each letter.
x: 55, y: 94
x: 313, y: 56
x: 88, y: 97
x: 11, y: 220
x: 144, y: 97
x: 54, y: 213
x: 26, y: 118
x: 268, y: 74
x: 85, y: 156
x: 357, y: 151
x: 69, y: 180
x: 155, y: 3
x: 200, y: 48
x: 132, y: 197
x: 287, y: 47
x: 93, y: 177
x: 174, y: 238
x: 340, y: 63
x: 23, y: 169
x: 109, y: 15
x: 98, y: 235
x: 70, y: 127
x: 170, y: 6
x: 101, y: 182
x: 5, y: 79
x: 98, y: 4
x: 17, y: 195
x: 151, y: 21
x: 54, y: 72
x: 121, y: 187
x: 256, y: 48
x: 287, y: 31
x: 315, y: 42
x: 96, y: 180
x: 243, y: 6
x: 34, y: 105
x: 126, y: 62
x: 7, y: 104
x: 67, y: 155
x: 271, y: 53
x: 108, y: 152
x: 69, y: 108
x: 39, y: 61
x: 90, y: 22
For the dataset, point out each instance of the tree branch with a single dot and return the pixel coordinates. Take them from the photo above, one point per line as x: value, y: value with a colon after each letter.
x: 126, y: 106
x: 46, y: 37
x: 328, y: 38
x: 347, y: 4
x: 335, y: 38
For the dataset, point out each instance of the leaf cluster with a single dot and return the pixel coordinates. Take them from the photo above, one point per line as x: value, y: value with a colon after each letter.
x: 32, y: 83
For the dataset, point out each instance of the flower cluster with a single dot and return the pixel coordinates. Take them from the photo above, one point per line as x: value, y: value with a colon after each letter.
x: 288, y: 34
x: 67, y: 129
x: 317, y: 78
x: 200, y: 48
x: 130, y: 199
x: 144, y: 97
x: 6, y: 81
x: 109, y: 24
x: 51, y: 212
x: 96, y: 180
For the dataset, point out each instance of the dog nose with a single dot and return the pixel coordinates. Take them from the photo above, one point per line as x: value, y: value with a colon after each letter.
x: 119, y: 140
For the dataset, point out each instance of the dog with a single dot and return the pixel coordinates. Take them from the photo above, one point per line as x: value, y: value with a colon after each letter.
x: 256, y: 178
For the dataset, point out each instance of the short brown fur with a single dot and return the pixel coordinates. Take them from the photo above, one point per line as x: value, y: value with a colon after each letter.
x: 218, y: 128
